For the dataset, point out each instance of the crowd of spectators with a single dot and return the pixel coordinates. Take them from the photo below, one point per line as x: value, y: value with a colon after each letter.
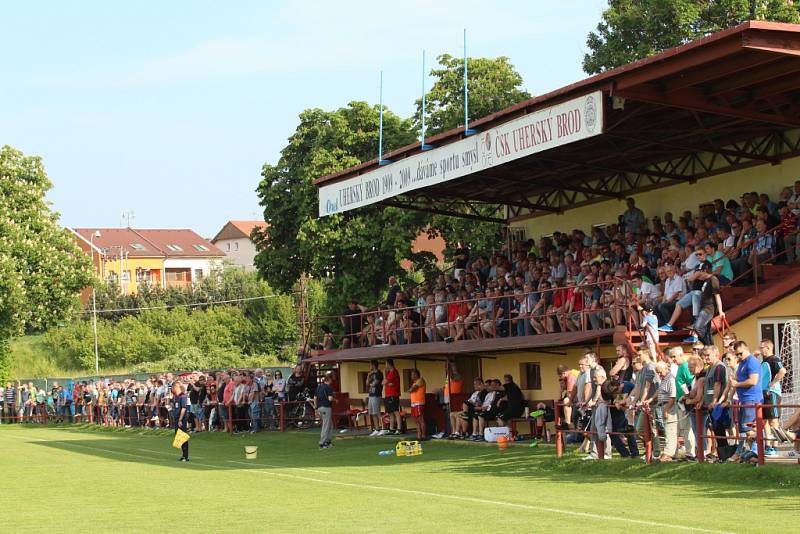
x: 588, y: 281
x: 237, y: 400
x: 638, y: 396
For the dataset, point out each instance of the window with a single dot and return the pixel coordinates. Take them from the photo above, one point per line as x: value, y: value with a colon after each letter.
x: 236, y: 245
x: 137, y: 246
x: 229, y: 247
x: 772, y: 329
x: 126, y: 277
x: 198, y: 274
x: 362, y: 381
x: 200, y: 248
x: 530, y: 375
x: 175, y: 248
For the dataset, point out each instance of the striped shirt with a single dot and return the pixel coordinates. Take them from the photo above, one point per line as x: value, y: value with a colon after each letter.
x: 666, y: 389
x: 764, y: 242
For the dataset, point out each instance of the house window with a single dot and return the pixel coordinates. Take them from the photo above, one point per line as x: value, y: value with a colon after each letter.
x: 137, y: 246
x: 772, y: 329
x: 530, y: 375
x: 198, y: 274
x: 200, y: 248
x: 236, y: 245
x: 362, y: 381
x: 175, y: 248
x: 229, y: 247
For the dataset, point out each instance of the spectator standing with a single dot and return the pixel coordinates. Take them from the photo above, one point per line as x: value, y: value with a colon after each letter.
x: 374, y: 391
x: 644, y: 393
x: 748, y: 389
x: 324, y: 403
x: 773, y: 392
x: 683, y: 385
x: 391, y: 401
x: 668, y: 410
x: 633, y: 219
x: 417, y: 394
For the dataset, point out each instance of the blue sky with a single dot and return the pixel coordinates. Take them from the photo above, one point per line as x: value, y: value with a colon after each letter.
x: 169, y: 109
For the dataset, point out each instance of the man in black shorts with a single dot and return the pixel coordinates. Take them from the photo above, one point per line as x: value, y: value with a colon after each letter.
x: 391, y: 401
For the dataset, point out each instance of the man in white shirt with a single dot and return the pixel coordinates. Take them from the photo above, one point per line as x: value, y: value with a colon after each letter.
x: 674, y: 289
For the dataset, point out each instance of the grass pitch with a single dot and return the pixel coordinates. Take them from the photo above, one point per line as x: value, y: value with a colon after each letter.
x: 92, y: 480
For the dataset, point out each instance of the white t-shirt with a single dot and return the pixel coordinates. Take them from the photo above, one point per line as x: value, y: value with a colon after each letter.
x: 673, y: 286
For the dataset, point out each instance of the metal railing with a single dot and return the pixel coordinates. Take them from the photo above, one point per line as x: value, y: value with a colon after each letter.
x: 477, y: 318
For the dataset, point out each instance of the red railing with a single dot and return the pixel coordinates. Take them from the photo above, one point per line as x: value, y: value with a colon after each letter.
x: 377, y: 327
x: 701, y: 437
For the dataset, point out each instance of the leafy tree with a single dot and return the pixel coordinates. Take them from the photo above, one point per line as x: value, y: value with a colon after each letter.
x: 494, y: 84
x: 41, y: 268
x: 634, y: 29
x: 356, y: 249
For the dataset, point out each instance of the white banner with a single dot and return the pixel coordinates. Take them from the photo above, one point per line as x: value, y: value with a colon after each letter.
x: 548, y: 128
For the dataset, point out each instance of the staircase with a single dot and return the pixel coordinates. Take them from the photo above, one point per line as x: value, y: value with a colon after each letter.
x: 739, y: 302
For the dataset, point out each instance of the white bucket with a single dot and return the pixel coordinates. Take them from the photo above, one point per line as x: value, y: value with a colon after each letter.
x: 251, y: 452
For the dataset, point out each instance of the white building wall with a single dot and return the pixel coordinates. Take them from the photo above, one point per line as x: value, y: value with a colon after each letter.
x: 204, y: 264
x: 240, y: 251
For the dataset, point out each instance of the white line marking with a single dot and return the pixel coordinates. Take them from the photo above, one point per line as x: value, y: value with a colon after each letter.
x: 279, y: 467
x: 584, y: 515
x: 165, y: 453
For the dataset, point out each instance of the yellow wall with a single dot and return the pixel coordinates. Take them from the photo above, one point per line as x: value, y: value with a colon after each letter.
x: 747, y: 329
x: 132, y: 264
x: 767, y: 178
x: 434, y: 372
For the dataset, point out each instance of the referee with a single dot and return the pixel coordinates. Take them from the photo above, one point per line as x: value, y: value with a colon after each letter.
x: 180, y: 415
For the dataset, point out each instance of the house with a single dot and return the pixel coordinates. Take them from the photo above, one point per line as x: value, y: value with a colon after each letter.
x: 133, y: 257
x: 188, y: 258
x: 234, y: 240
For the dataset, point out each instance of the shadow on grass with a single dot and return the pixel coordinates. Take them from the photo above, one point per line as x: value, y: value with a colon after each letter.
x: 298, y: 450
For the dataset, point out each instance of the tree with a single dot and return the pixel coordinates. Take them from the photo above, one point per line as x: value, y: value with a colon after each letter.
x: 494, y: 84
x: 355, y: 249
x: 635, y: 29
x: 41, y: 268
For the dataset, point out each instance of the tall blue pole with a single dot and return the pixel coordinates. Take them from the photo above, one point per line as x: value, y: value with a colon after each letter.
x: 467, y: 130
x: 380, y: 122
x: 466, y: 89
x: 423, y: 101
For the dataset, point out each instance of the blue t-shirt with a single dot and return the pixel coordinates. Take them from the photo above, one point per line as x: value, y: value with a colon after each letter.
x: 747, y: 367
x: 766, y: 376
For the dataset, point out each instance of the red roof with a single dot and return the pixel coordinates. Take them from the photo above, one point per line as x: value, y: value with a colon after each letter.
x: 236, y: 229
x: 180, y: 243
x: 150, y: 242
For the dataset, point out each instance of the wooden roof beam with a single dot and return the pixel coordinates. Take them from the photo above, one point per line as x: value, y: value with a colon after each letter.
x: 697, y: 101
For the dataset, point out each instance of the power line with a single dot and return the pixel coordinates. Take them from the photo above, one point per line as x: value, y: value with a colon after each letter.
x: 191, y: 305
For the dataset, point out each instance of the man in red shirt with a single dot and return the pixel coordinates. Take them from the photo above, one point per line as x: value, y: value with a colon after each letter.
x: 391, y: 388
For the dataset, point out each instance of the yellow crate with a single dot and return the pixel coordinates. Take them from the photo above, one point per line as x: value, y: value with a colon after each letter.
x: 408, y: 448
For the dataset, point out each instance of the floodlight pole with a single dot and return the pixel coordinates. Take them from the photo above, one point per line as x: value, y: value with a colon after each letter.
x: 467, y: 130
x: 381, y: 161
x: 423, y: 146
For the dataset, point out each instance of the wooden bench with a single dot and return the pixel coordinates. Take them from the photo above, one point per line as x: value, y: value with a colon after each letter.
x: 531, y: 405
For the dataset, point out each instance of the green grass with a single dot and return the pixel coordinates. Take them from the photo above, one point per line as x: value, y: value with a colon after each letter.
x: 82, y: 478
x: 31, y: 358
